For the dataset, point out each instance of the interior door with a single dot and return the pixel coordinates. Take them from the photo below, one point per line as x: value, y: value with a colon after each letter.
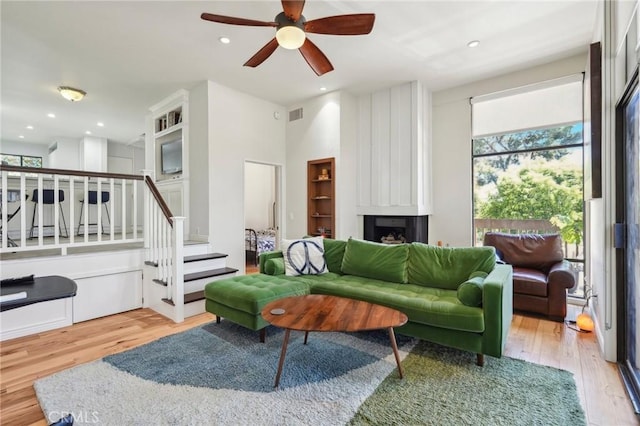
x: 628, y: 238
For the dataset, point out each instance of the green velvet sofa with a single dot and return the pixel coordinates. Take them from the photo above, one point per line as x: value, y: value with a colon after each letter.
x: 458, y: 297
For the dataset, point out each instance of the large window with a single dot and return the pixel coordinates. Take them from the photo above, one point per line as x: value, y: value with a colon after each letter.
x: 528, y: 171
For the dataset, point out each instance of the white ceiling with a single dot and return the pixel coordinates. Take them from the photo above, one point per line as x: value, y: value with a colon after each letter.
x: 130, y: 55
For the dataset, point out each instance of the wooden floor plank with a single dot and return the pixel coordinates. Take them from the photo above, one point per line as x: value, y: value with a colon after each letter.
x: 24, y: 360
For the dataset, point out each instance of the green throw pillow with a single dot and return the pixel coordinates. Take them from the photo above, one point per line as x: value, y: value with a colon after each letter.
x: 470, y: 291
x: 274, y: 266
x: 375, y: 260
x: 333, y: 254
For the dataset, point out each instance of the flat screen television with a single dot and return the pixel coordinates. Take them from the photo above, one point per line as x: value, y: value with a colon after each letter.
x: 171, y: 157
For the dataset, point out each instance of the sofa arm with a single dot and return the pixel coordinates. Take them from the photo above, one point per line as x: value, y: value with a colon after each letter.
x: 266, y: 256
x: 562, y: 274
x: 497, y: 304
x: 562, y: 277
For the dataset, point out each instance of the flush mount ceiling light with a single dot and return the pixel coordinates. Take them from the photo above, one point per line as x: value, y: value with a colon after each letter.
x: 473, y: 43
x: 224, y: 40
x: 71, y: 94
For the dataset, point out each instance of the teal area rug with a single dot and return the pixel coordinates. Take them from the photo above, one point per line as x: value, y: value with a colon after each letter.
x: 219, y: 374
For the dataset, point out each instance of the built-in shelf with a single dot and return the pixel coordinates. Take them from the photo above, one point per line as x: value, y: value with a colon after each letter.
x: 167, y: 121
x: 168, y: 130
x: 168, y: 139
x: 321, y: 195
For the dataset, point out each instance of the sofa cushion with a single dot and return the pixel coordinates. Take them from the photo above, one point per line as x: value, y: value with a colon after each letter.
x: 529, y: 281
x: 304, y: 256
x: 424, y: 305
x: 470, y: 291
x: 249, y: 293
x: 375, y: 260
x: 535, y: 251
x: 447, y: 267
x: 333, y: 254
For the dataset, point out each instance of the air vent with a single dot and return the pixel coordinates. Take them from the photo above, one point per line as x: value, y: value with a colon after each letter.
x: 296, y: 114
x: 53, y: 147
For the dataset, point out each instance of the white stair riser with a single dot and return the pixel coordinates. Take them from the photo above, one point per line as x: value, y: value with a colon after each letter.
x: 205, y: 265
x: 193, y: 249
x: 198, y: 285
x: 194, y: 308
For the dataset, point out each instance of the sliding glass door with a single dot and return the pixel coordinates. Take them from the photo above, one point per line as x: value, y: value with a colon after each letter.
x: 628, y: 238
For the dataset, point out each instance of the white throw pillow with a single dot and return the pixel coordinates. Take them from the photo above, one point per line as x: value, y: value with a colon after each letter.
x: 304, y: 256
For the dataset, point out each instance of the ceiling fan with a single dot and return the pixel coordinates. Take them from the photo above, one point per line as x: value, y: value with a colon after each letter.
x: 291, y: 28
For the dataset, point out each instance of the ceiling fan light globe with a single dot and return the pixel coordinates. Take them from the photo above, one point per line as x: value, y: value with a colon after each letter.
x: 290, y: 37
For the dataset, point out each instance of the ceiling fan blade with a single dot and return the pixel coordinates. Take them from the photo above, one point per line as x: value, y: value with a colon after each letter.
x: 293, y: 9
x: 262, y: 54
x: 356, y: 24
x: 315, y: 58
x: 236, y: 21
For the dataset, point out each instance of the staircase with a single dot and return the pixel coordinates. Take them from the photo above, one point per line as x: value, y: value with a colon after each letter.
x: 200, y: 267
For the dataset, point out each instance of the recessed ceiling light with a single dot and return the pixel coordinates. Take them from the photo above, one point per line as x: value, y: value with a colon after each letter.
x: 100, y: 124
x: 51, y: 115
x: 224, y: 40
x: 322, y: 89
x: 88, y: 132
x: 30, y: 127
x: 21, y: 136
x: 473, y: 43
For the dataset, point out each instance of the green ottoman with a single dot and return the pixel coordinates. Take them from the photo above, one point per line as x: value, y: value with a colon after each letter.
x: 240, y: 299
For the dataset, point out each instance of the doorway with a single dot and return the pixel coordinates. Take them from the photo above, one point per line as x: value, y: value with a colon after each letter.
x: 628, y: 237
x: 261, y: 211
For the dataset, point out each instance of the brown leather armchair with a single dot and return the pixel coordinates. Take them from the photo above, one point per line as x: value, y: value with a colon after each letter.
x: 541, y: 276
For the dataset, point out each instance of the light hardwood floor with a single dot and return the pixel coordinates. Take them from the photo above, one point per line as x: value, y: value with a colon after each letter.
x: 26, y: 359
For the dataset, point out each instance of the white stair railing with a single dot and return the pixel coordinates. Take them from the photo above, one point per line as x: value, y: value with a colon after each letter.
x: 52, y: 221
x: 164, y: 246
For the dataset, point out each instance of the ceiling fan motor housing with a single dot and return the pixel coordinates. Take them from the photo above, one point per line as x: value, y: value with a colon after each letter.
x: 290, y: 34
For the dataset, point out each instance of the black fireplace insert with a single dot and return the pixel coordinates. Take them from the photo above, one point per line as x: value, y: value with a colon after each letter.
x: 396, y: 229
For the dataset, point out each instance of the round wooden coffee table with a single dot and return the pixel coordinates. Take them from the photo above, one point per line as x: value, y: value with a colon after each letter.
x: 319, y: 312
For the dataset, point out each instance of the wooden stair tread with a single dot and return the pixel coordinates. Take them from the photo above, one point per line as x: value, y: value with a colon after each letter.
x: 188, y: 297
x: 208, y: 256
x: 200, y: 275
x: 210, y: 273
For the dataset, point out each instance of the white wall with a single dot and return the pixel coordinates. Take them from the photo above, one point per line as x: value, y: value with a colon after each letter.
x: 315, y: 136
x: 66, y: 156
x: 24, y: 148
x: 327, y: 129
x: 259, y: 196
x: 93, y: 154
x: 347, y: 222
x: 452, y: 218
x: 199, y: 118
x: 242, y: 128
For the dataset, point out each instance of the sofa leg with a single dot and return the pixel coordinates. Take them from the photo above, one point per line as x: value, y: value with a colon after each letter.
x: 480, y: 360
x: 263, y: 334
x: 218, y: 319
